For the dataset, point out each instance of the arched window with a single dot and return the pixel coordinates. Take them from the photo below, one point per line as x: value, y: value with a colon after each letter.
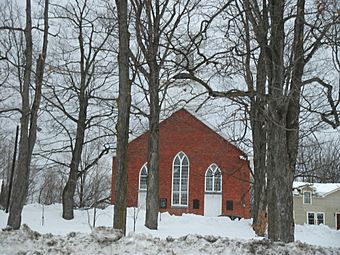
x: 213, y: 179
x: 180, y: 180
x: 143, y: 174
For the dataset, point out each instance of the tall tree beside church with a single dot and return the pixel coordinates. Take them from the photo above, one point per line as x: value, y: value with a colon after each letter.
x: 150, y: 35
x: 287, y: 43
x: 156, y: 31
x: 124, y: 102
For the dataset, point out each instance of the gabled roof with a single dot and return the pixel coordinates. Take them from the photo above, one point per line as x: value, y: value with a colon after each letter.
x: 203, y: 122
x: 319, y: 189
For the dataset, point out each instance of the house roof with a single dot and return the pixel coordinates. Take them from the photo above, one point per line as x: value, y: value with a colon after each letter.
x: 320, y: 189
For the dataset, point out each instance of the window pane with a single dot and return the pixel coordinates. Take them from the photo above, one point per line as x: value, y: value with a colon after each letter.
x: 175, y: 198
x: 320, y: 218
x: 184, y: 184
x: 142, y: 184
x: 306, y: 197
x: 144, y: 171
x: 185, y: 172
x: 217, y: 184
x: 176, y: 172
x: 217, y: 172
x: 177, y: 161
x: 176, y: 184
x: 311, y: 218
x: 184, y: 198
x: 208, y: 183
x: 143, y: 178
x: 209, y: 173
x: 185, y: 161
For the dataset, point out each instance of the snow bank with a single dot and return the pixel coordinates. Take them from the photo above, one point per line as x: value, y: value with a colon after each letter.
x: 27, y: 241
x: 187, y: 234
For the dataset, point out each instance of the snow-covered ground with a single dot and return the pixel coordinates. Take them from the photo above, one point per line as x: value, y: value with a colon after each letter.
x: 46, y: 232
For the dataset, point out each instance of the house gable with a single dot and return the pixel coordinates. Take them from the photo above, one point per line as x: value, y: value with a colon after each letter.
x: 325, y: 203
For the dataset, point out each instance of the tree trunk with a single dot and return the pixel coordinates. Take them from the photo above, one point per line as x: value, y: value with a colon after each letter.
x: 68, y: 193
x: 29, y: 117
x: 259, y: 135
x: 20, y: 182
x: 71, y: 185
x: 284, y: 124
x: 260, y: 183
x: 280, y: 180
x: 124, y: 102
x: 152, y: 196
x: 257, y: 118
x: 280, y: 177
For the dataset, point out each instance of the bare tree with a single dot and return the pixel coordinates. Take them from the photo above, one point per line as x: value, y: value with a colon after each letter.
x: 76, y: 101
x: 284, y: 52
x: 322, y: 92
x: 29, y: 112
x: 157, y: 29
x: 124, y: 102
x: 318, y: 161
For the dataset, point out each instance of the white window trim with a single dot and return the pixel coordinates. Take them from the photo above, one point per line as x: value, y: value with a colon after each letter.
x: 213, y: 183
x: 140, y: 172
x: 316, y: 217
x: 310, y: 197
x: 172, y: 183
x: 308, y: 219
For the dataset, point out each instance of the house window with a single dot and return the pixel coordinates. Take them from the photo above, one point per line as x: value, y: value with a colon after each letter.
x: 307, y: 197
x: 180, y: 180
x: 310, y: 217
x: 143, y: 175
x: 320, y: 218
x: 213, y: 179
x: 315, y: 218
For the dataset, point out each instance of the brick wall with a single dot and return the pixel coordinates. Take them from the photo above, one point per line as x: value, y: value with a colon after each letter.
x: 183, y: 132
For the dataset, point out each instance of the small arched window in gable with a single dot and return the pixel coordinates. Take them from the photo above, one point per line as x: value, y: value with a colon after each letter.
x: 213, y: 179
x: 143, y: 174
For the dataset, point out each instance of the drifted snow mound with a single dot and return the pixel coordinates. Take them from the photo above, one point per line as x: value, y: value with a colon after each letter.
x: 104, y: 240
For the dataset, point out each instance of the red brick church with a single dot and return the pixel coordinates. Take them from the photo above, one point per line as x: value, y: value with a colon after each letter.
x: 200, y: 171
